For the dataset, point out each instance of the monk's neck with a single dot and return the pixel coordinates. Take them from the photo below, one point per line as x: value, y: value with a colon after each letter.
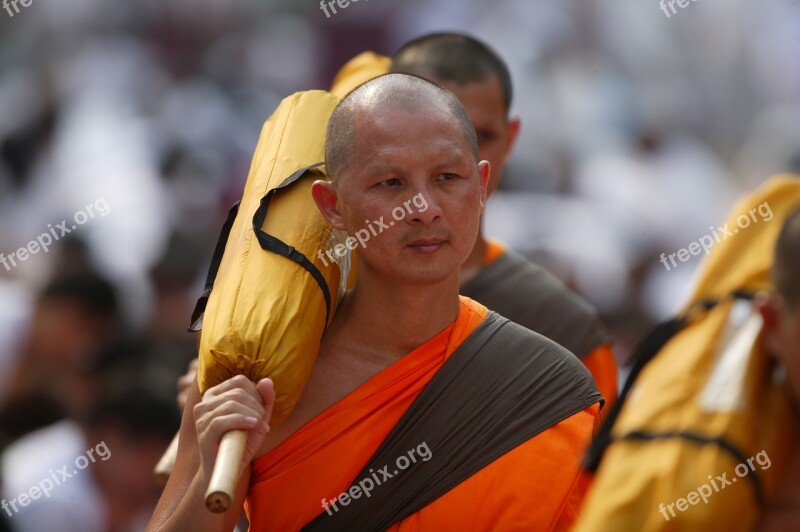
x: 385, y: 318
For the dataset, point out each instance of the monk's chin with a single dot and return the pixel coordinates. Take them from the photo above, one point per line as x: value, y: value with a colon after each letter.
x: 426, y: 276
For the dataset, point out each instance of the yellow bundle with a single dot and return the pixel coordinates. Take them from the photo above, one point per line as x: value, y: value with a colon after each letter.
x: 272, y: 295
x: 706, y: 428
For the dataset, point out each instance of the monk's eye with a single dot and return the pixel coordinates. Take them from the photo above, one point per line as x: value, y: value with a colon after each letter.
x: 445, y: 177
x: 486, y: 136
x: 393, y: 182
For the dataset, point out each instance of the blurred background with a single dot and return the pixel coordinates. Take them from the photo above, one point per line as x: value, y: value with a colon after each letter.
x: 639, y: 131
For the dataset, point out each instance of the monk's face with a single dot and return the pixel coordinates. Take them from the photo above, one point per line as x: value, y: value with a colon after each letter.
x: 414, y: 188
x: 483, y: 101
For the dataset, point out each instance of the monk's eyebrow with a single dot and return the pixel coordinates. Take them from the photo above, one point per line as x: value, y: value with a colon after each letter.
x: 448, y: 158
x: 451, y: 159
x: 380, y: 168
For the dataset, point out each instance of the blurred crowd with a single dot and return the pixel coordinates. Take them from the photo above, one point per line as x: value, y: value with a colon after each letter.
x: 638, y: 133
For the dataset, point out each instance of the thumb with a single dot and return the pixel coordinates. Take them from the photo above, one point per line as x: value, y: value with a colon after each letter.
x: 266, y: 389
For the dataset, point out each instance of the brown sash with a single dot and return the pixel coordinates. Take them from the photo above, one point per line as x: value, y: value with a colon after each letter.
x: 500, y: 388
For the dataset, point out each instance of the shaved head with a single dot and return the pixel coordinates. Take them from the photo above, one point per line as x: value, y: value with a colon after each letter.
x: 390, y: 92
x: 453, y: 58
x: 786, y: 269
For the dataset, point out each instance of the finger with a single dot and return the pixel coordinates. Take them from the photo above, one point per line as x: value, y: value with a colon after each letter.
x: 220, y: 425
x: 255, y: 437
x: 182, y: 396
x: 233, y: 401
x: 191, y: 373
x: 185, y: 380
x: 234, y: 383
x: 266, y: 389
x: 250, y: 398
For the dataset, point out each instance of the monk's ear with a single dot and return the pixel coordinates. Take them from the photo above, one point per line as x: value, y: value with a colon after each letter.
x: 484, y: 173
x: 324, y: 195
x: 770, y: 309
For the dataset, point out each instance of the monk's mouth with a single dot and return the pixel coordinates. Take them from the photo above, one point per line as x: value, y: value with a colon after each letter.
x: 427, y: 246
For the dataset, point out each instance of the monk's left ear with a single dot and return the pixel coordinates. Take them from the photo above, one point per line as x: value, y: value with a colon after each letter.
x: 324, y: 195
x: 484, y: 173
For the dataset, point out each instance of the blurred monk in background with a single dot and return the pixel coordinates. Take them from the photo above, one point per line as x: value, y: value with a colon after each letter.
x: 781, y: 336
x: 493, y: 275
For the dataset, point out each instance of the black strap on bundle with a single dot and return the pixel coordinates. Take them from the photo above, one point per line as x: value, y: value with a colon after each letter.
x: 267, y: 242
x: 271, y: 243
x: 644, y: 352
x: 699, y: 439
x: 200, y: 307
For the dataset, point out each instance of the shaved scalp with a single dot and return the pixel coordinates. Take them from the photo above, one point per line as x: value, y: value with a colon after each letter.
x: 786, y: 269
x: 452, y: 58
x: 395, y: 92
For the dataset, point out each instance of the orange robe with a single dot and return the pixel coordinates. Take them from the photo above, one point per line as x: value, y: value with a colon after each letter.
x: 603, y: 367
x: 535, y: 486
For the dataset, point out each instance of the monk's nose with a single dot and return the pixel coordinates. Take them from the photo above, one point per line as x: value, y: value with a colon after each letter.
x: 425, y: 209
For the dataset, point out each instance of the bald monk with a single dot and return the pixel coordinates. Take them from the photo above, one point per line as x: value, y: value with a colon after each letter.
x: 781, y: 336
x: 424, y: 410
x: 492, y: 275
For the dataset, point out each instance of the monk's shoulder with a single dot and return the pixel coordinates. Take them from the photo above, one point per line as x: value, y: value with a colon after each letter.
x: 518, y: 341
x: 521, y: 277
x: 530, y: 296
x: 532, y: 279
x: 520, y: 352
